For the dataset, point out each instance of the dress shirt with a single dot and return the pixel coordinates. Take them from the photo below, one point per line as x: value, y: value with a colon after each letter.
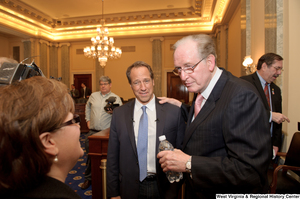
x: 263, y: 83
x: 210, y: 87
x: 95, y: 113
x: 151, y: 112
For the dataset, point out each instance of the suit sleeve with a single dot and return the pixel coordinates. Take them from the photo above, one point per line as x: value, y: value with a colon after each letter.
x: 185, y: 111
x: 112, y: 171
x: 247, y: 141
x: 180, y: 129
x: 277, y: 128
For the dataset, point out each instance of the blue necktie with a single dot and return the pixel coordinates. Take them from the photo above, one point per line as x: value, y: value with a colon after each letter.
x: 142, y: 144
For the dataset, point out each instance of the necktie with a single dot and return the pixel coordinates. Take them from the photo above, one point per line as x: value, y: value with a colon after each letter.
x: 198, y: 103
x: 142, y: 144
x: 266, y: 90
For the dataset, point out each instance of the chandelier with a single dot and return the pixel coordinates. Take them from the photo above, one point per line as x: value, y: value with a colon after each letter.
x: 102, y: 47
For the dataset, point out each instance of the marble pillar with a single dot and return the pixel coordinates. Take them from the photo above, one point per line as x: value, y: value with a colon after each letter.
x: 99, y: 72
x: 157, y: 63
x: 65, y: 63
x: 53, y: 60
x: 44, y: 56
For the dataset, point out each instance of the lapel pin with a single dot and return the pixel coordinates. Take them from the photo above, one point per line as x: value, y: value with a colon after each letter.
x: 273, y: 91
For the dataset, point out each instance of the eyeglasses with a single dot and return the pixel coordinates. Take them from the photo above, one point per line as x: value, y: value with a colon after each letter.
x: 187, y: 70
x: 76, y: 119
x: 278, y: 68
x: 104, y: 84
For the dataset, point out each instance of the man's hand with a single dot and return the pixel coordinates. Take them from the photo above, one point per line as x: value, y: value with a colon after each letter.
x: 173, y: 160
x: 109, y: 110
x: 279, y: 118
x: 275, y: 149
x: 118, y: 197
x: 169, y: 100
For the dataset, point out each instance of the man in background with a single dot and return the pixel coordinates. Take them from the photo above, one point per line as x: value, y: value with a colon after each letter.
x: 133, y: 170
x: 85, y: 91
x: 74, y: 92
x: 269, y: 67
x: 97, y: 118
x: 226, y: 146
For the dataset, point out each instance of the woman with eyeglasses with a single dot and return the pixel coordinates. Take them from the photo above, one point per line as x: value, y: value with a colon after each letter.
x: 39, y: 139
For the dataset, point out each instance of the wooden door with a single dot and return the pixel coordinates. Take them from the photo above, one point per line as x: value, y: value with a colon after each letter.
x: 175, y: 88
x: 83, y: 78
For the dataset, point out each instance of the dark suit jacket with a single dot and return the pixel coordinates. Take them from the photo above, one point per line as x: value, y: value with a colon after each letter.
x: 87, y: 92
x: 229, y: 142
x: 74, y: 93
x: 276, y: 105
x: 48, y: 188
x: 122, y: 159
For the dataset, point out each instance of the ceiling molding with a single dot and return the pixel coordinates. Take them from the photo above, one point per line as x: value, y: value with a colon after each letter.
x: 201, y: 17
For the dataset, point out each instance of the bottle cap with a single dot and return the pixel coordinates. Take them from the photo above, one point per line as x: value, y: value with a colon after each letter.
x: 162, y: 137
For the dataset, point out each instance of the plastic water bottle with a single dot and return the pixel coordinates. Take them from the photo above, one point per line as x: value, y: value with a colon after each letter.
x: 165, y: 145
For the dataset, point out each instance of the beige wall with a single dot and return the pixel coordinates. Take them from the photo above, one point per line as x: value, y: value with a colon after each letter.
x: 4, y: 49
x: 290, y: 90
x: 234, y: 43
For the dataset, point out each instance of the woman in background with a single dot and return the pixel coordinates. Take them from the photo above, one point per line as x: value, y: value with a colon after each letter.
x: 39, y: 139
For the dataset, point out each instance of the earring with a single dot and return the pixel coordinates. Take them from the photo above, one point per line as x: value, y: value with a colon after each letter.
x: 56, y: 159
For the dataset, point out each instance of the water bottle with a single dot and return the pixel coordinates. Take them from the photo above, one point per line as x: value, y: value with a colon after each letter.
x: 165, y: 145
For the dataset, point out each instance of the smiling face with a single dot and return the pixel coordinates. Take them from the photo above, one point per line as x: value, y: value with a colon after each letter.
x: 142, y: 84
x: 186, y: 55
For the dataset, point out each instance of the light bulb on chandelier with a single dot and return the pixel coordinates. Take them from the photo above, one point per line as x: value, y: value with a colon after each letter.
x: 102, y: 46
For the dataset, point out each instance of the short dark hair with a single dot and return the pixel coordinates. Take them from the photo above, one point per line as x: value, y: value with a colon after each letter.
x: 29, y: 108
x: 136, y: 65
x: 269, y: 59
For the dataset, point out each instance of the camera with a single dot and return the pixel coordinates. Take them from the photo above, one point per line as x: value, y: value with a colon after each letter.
x: 110, y: 104
x: 12, y: 72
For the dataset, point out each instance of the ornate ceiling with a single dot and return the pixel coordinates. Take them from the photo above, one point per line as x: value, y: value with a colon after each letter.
x: 65, y: 20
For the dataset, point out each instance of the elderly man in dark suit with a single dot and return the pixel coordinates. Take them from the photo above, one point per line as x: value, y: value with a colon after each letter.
x: 127, y: 175
x: 269, y: 67
x: 227, y: 147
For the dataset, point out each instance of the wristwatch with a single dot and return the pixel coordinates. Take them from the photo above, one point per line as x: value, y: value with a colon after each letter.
x: 188, y: 165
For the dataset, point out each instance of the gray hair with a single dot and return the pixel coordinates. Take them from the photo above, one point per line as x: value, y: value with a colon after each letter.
x: 205, y: 44
x: 105, y: 79
x: 6, y: 59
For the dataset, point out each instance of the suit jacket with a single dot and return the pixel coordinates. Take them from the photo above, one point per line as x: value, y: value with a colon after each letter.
x: 122, y: 159
x: 74, y: 93
x: 276, y: 105
x: 229, y: 141
x: 87, y: 92
x: 48, y: 188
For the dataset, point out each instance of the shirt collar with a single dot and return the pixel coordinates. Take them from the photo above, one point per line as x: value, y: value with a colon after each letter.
x: 150, y: 105
x: 262, y: 81
x: 107, y: 94
x: 212, y: 84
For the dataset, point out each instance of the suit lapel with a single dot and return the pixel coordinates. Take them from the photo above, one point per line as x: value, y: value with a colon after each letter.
x: 206, y: 109
x: 160, y: 115
x: 129, y: 124
x: 261, y: 92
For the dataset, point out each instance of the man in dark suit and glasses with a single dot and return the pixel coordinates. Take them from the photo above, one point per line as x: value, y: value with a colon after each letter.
x: 269, y: 67
x: 226, y: 147
x: 126, y: 175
